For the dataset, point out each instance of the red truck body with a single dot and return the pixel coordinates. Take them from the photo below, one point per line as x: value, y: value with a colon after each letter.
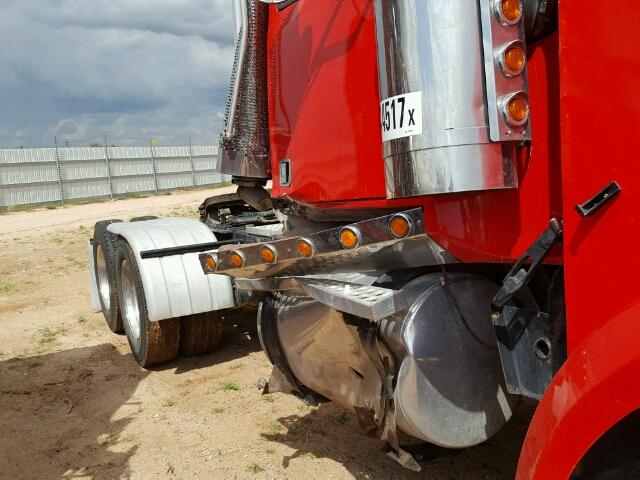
x: 583, y: 83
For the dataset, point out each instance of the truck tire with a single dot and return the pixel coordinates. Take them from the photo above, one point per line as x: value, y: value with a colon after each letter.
x: 200, y: 333
x: 104, y: 261
x: 144, y: 218
x: 151, y: 342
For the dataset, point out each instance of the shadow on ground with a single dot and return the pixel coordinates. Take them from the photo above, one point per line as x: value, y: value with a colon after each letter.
x: 329, y: 432
x: 57, y: 414
x: 240, y: 338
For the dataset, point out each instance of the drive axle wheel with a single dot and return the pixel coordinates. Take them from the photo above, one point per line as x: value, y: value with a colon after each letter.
x: 104, y: 261
x: 151, y: 342
x: 200, y: 333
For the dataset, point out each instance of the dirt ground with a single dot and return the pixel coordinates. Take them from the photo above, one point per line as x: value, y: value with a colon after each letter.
x: 74, y: 404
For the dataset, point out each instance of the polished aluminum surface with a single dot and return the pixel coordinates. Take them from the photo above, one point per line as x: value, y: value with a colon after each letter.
x: 496, y: 36
x: 244, y: 143
x: 327, y: 355
x: 435, y: 47
x: 354, y: 295
x: 379, y: 250
x: 131, y: 310
x: 103, y: 278
x: 450, y: 387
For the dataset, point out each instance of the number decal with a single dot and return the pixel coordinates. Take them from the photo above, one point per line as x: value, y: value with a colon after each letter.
x: 401, y: 116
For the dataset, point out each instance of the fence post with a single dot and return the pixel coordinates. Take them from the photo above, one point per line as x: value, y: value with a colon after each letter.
x: 153, y: 165
x: 60, y: 187
x: 193, y: 171
x: 106, y: 159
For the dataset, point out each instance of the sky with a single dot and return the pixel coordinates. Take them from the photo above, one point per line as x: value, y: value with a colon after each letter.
x: 128, y: 69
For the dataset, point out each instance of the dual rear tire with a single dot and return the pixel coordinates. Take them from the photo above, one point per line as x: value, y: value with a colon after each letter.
x: 124, y: 306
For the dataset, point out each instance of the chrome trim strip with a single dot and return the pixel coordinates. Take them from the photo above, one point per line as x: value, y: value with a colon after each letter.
x: 379, y: 250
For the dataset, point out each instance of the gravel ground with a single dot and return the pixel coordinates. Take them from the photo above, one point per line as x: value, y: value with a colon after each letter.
x: 74, y: 404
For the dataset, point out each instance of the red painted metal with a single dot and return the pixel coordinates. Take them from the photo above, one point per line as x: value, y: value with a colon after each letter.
x: 600, y: 112
x: 324, y: 101
x: 324, y: 118
x: 597, y: 386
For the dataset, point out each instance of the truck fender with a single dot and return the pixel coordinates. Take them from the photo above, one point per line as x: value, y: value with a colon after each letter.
x: 175, y: 286
x: 598, y: 385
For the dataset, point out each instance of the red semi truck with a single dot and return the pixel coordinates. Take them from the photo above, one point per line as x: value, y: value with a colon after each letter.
x: 450, y: 183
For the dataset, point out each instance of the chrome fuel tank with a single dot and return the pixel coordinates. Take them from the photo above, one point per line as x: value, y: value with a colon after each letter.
x: 434, y: 109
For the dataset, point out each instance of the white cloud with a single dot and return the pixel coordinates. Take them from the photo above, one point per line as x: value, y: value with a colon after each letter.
x: 126, y: 68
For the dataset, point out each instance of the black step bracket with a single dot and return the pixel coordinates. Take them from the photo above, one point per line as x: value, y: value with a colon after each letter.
x: 598, y: 200
x: 524, y: 269
x: 526, y: 350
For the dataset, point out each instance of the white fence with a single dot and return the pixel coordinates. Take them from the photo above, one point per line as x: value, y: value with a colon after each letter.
x: 41, y: 175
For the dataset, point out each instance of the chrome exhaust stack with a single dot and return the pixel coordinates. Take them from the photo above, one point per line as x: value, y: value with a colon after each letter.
x: 244, y: 143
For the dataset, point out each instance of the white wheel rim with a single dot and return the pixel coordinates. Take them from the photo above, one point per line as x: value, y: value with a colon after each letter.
x: 103, y: 278
x: 131, y: 308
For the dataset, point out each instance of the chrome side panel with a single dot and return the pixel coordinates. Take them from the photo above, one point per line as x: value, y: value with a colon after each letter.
x: 435, y: 47
x: 327, y: 356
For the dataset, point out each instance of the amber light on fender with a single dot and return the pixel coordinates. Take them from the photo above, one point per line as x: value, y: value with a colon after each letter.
x: 268, y: 254
x: 212, y: 264
x: 349, y: 238
x: 305, y: 248
x: 400, y: 226
x: 509, y: 12
x: 237, y: 259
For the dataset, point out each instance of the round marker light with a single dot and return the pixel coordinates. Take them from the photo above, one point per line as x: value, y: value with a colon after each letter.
x: 512, y: 59
x: 515, y: 109
x: 212, y: 264
x: 237, y: 259
x: 268, y: 254
x: 305, y: 248
x: 400, y: 226
x: 509, y: 12
x: 349, y: 238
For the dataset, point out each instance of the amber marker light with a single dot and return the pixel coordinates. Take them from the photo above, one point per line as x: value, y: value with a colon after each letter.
x: 516, y: 110
x: 305, y: 248
x: 400, y: 226
x: 268, y: 254
x: 349, y: 238
x: 509, y: 12
x: 237, y: 259
x: 512, y: 59
x: 212, y: 264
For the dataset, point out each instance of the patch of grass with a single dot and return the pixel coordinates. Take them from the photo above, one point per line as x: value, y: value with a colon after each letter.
x: 107, y: 438
x: 169, y: 403
x: 343, y: 418
x: 6, y: 287
x: 255, y: 468
x: 217, y: 410
x: 49, y: 335
x: 236, y: 366
x: 273, y: 430
x: 81, y: 319
x: 309, y: 455
x: 51, y: 206
x: 129, y: 438
x: 230, y: 386
x: 270, y: 451
x: 57, y: 240
x: 184, y: 393
x: 268, y: 398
